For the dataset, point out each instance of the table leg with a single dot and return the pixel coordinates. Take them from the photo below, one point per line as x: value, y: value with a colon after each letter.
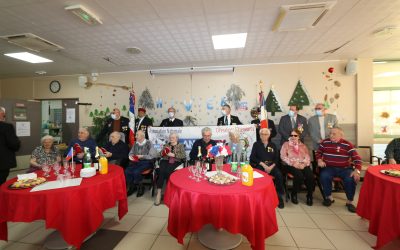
x: 218, y: 238
x: 56, y: 242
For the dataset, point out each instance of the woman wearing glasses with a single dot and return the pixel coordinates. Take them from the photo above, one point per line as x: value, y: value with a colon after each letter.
x: 296, y: 158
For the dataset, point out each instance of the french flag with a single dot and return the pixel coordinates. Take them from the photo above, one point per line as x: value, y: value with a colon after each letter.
x: 70, y: 154
x: 132, y: 117
x: 263, y: 111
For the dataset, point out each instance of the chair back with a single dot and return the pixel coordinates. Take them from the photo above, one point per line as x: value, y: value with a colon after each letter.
x: 365, y: 153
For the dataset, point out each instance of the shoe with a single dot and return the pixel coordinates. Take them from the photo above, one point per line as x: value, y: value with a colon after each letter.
x: 327, y: 202
x: 157, y: 201
x: 131, y: 190
x: 293, y: 198
x: 140, y: 191
x: 281, y: 204
x: 309, y: 200
x: 351, y: 208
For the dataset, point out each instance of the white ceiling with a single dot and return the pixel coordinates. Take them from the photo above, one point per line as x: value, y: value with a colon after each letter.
x: 177, y: 33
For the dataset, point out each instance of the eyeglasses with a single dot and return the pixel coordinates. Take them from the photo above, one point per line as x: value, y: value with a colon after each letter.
x: 293, y: 135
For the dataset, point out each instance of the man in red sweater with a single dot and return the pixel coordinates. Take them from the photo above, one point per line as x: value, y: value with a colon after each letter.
x: 336, y: 158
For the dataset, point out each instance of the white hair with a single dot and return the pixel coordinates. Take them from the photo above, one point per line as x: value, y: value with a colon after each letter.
x: 265, y: 130
x: 174, y: 134
x: 206, y: 129
x: 47, y: 137
x: 2, y: 110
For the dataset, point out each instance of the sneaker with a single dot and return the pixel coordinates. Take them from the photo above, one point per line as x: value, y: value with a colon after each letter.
x: 327, y: 202
x: 351, y: 208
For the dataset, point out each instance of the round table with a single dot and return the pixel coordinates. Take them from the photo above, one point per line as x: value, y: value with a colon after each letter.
x: 235, y: 208
x: 379, y: 202
x: 76, y: 212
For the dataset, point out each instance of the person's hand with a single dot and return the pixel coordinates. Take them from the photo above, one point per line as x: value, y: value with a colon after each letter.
x: 356, y: 175
x: 140, y: 156
x: 321, y: 163
x: 108, y: 154
x: 171, y: 154
x: 392, y: 161
x: 268, y: 169
x: 80, y: 155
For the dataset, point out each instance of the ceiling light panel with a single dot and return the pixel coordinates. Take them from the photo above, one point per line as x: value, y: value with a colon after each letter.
x: 28, y: 57
x: 229, y: 41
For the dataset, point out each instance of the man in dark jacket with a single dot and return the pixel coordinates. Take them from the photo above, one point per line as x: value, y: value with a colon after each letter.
x: 143, y: 122
x: 227, y: 118
x: 202, y: 143
x: 171, y: 121
x: 9, y: 144
x: 291, y: 121
x: 116, y: 122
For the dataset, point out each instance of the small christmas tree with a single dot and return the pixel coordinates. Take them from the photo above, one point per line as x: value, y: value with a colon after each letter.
x: 299, y: 97
x: 271, y: 104
x: 234, y: 94
x: 146, y: 100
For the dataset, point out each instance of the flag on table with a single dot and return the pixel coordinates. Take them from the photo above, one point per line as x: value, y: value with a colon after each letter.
x: 70, y: 154
x: 131, y: 117
x: 263, y: 112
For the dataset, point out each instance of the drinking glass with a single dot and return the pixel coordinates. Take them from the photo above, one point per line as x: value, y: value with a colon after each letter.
x: 219, y: 164
x: 73, y: 166
x: 204, y: 170
x: 66, y: 166
x: 197, y: 172
x: 57, y: 168
x: 61, y: 179
x: 46, y: 170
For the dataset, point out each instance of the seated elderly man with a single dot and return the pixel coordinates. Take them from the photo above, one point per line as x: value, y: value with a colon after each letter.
x: 83, y: 140
x: 335, y: 158
x: 392, y: 151
x: 47, y: 153
x: 202, y: 143
x: 265, y: 157
x: 142, y: 157
x: 117, y: 150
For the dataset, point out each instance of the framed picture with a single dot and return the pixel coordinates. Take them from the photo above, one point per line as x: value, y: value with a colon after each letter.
x: 19, y: 114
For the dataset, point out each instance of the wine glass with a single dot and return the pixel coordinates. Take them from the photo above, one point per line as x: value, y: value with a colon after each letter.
x: 198, y: 171
x: 46, y: 169
x: 66, y: 166
x: 73, y: 166
x: 204, y: 170
x: 57, y: 168
x: 191, y: 171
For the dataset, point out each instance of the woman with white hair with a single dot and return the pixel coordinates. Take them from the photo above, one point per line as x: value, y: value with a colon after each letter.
x: 173, y: 154
x: 47, y: 153
x: 234, y: 143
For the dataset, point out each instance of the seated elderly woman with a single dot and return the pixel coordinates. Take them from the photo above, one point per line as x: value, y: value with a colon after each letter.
x: 297, y: 162
x: 234, y: 143
x: 142, y: 157
x: 47, y: 153
x: 117, y: 150
x: 83, y: 140
x: 173, y: 154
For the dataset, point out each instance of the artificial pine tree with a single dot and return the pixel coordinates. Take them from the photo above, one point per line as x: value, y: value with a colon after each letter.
x: 146, y: 100
x: 299, y: 97
x: 271, y: 103
x: 234, y: 94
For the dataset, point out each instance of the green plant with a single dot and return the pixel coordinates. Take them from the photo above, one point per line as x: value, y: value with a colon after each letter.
x: 98, y: 121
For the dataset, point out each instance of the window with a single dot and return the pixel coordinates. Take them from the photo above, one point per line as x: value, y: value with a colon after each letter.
x: 386, y: 113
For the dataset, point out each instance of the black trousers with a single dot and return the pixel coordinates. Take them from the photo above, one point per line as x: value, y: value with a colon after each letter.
x: 299, y: 176
x: 166, y: 169
x: 3, y: 175
x: 276, y: 173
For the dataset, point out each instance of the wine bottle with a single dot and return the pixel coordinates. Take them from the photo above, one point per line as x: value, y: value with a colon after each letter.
x: 208, y: 163
x: 234, y: 161
x: 87, y: 158
x: 199, y: 155
x: 96, y: 159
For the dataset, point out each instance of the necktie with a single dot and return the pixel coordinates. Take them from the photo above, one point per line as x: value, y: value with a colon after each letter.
x: 226, y: 120
x: 293, y: 123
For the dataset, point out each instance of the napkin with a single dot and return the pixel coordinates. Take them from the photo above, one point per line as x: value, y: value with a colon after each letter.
x: 27, y: 176
x: 57, y: 184
x: 257, y: 175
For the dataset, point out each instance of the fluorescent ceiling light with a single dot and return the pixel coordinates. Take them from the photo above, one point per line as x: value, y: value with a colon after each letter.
x: 28, y: 57
x: 380, y: 62
x: 191, y: 70
x: 229, y: 41
x: 387, y: 74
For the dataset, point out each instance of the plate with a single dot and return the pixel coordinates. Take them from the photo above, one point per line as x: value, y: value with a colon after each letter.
x: 222, y: 180
x: 391, y: 172
x: 29, y: 183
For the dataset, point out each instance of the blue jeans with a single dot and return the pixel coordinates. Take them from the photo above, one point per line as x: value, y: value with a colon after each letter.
x: 133, y: 173
x: 326, y: 176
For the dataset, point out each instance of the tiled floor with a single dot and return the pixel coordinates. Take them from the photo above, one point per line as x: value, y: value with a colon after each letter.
x: 300, y: 227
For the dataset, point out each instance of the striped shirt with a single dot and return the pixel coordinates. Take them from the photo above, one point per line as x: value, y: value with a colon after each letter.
x: 338, y: 154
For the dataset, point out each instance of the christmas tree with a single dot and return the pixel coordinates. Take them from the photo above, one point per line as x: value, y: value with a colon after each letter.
x: 146, y: 100
x: 272, y: 104
x: 234, y: 95
x: 299, y: 97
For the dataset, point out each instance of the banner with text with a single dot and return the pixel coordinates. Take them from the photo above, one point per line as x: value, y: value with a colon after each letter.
x: 187, y: 135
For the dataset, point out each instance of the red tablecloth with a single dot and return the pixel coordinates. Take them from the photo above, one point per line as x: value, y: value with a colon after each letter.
x: 236, y: 208
x: 379, y: 202
x: 76, y: 212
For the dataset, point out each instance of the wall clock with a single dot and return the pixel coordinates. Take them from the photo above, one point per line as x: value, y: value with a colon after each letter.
x: 55, y: 86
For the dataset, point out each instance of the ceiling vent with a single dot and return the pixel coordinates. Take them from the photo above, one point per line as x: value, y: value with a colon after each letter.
x: 301, y: 16
x: 32, y: 42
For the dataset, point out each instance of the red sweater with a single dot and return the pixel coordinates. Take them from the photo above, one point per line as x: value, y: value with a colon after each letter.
x: 340, y: 154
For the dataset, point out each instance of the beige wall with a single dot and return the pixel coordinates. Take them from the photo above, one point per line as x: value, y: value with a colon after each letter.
x: 387, y: 81
x: 202, y: 88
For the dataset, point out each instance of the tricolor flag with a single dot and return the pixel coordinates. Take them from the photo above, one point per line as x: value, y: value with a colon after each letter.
x: 131, y: 117
x: 70, y: 154
x: 263, y: 111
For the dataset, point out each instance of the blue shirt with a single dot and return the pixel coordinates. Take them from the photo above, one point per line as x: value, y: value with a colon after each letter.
x: 89, y: 143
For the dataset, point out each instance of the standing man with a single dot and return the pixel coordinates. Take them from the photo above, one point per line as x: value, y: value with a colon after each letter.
x: 9, y: 144
x: 143, y: 122
x: 290, y: 122
x: 171, y: 121
x: 228, y: 119
x: 320, y: 125
x: 337, y: 157
x: 116, y: 122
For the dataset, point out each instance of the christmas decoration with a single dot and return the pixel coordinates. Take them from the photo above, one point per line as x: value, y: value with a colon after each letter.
x: 234, y: 95
x: 188, y: 105
x: 190, y: 120
x: 146, y: 100
x: 385, y: 115
x: 271, y: 104
x: 299, y: 97
x: 330, y: 70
